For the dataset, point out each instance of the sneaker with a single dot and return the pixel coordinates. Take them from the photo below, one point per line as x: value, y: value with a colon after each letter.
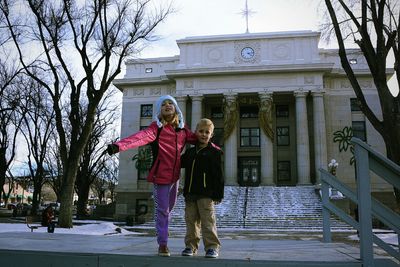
x: 163, y: 251
x: 211, y: 253
x: 187, y: 252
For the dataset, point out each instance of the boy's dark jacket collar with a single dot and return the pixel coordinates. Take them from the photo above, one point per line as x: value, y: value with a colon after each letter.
x: 210, y: 145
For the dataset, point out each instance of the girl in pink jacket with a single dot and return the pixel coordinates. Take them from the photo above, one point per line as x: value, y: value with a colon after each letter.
x: 171, y: 134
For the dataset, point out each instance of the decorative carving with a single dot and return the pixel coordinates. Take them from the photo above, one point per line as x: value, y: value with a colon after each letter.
x: 345, y: 84
x: 366, y: 84
x: 155, y: 91
x: 281, y: 51
x: 309, y: 80
x: 265, y: 115
x: 214, y: 55
x: 231, y: 115
x: 188, y: 84
x: 138, y: 92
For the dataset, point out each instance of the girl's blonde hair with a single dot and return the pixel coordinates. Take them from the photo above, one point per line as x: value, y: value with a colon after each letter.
x: 174, y: 122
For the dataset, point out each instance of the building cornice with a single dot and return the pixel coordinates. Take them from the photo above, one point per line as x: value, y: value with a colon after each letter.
x: 247, y: 36
x: 121, y: 84
x: 234, y: 70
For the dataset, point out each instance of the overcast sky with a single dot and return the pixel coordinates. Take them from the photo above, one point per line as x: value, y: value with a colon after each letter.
x: 219, y: 17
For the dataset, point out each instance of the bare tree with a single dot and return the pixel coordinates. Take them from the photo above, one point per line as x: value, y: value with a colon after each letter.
x: 54, y: 166
x: 374, y: 27
x: 94, y: 156
x: 101, y: 34
x: 10, y: 119
x: 37, y: 128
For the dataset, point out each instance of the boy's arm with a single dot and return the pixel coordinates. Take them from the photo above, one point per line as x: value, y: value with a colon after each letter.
x: 218, y: 177
x: 191, y: 137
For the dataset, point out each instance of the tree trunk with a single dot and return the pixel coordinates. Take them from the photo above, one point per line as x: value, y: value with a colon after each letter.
x: 83, y: 195
x: 392, y: 141
x: 67, y: 195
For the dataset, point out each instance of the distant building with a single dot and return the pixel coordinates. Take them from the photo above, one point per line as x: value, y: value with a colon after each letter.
x: 18, y: 191
x: 275, y: 98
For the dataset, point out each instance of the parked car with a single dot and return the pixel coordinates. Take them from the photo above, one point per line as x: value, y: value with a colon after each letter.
x: 11, y: 206
x: 21, y: 209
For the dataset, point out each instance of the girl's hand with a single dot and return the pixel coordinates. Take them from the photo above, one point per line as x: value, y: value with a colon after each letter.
x: 112, y: 149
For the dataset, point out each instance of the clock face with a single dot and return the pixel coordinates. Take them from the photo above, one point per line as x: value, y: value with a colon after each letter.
x: 247, y: 53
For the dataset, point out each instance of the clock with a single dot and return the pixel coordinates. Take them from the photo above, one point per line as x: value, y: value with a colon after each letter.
x: 247, y: 52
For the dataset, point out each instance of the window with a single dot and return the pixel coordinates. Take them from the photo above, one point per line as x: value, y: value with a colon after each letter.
x: 283, y: 170
x: 216, y: 113
x: 359, y: 131
x: 143, y: 161
x: 218, y: 137
x: 355, y: 104
x: 249, y: 171
x: 353, y: 61
x: 148, y: 70
x: 282, y: 111
x: 146, y: 111
x: 282, y: 134
x: 250, y: 137
x: 249, y: 112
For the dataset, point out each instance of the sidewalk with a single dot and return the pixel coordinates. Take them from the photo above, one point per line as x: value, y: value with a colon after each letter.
x: 44, y: 249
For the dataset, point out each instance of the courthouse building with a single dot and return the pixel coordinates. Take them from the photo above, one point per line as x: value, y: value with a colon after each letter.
x: 276, y: 100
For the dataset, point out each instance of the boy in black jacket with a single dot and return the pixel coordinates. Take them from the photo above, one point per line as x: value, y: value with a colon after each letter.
x: 204, y: 187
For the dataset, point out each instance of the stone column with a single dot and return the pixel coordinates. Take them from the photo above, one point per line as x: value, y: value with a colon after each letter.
x: 303, y: 148
x: 196, y: 111
x: 267, y: 139
x: 181, y: 99
x: 182, y: 105
x: 231, y: 119
x: 320, y: 149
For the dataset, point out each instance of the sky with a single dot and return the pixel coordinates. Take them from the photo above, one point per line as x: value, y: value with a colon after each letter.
x: 219, y: 17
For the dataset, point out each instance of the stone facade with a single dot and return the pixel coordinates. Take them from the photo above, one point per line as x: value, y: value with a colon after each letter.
x: 275, y: 98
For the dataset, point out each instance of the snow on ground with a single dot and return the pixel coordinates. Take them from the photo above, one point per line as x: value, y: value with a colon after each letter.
x: 91, y: 227
x: 387, y: 236
x: 86, y: 228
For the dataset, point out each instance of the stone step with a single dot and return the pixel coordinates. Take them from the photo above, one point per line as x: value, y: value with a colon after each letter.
x: 265, y: 207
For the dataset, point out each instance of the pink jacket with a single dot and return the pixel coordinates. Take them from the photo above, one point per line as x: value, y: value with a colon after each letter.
x: 167, y: 165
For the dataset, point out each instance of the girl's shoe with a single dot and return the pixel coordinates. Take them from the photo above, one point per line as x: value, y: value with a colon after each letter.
x: 163, y: 251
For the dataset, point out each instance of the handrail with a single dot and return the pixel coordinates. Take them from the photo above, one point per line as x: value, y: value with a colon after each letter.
x: 368, y: 159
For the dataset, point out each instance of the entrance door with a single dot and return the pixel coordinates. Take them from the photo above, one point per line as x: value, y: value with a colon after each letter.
x: 249, y: 171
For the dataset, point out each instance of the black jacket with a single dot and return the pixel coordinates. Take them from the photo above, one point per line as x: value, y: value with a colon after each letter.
x: 203, y: 172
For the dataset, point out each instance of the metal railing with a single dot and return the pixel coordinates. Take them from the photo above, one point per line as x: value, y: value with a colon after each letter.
x: 366, y: 160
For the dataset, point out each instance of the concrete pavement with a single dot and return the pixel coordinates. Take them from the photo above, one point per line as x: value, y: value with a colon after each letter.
x: 44, y: 249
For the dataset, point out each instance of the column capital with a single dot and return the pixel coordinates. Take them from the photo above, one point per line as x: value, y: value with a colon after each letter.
x: 197, y: 97
x: 317, y: 93
x: 181, y: 98
x: 230, y: 96
x: 265, y: 95
x: 300, y: 93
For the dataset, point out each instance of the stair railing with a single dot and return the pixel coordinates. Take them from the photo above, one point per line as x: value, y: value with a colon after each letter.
x: 366, y: 160
x: 246, y: 198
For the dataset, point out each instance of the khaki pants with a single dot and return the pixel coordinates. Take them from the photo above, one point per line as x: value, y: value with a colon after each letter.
x: 200, y: 214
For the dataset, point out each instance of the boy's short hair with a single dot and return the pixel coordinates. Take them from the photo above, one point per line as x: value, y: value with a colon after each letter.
x: 205, y: 122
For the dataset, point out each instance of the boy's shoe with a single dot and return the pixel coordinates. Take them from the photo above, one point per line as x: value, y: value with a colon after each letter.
x: 211, y: 253
x: 187, y: 252
x: 163, y: 251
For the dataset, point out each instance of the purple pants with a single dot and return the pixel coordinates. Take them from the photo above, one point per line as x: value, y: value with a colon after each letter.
x: 164, y: 202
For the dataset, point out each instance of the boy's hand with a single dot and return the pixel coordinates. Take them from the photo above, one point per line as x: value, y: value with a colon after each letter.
x: 112, y: 149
